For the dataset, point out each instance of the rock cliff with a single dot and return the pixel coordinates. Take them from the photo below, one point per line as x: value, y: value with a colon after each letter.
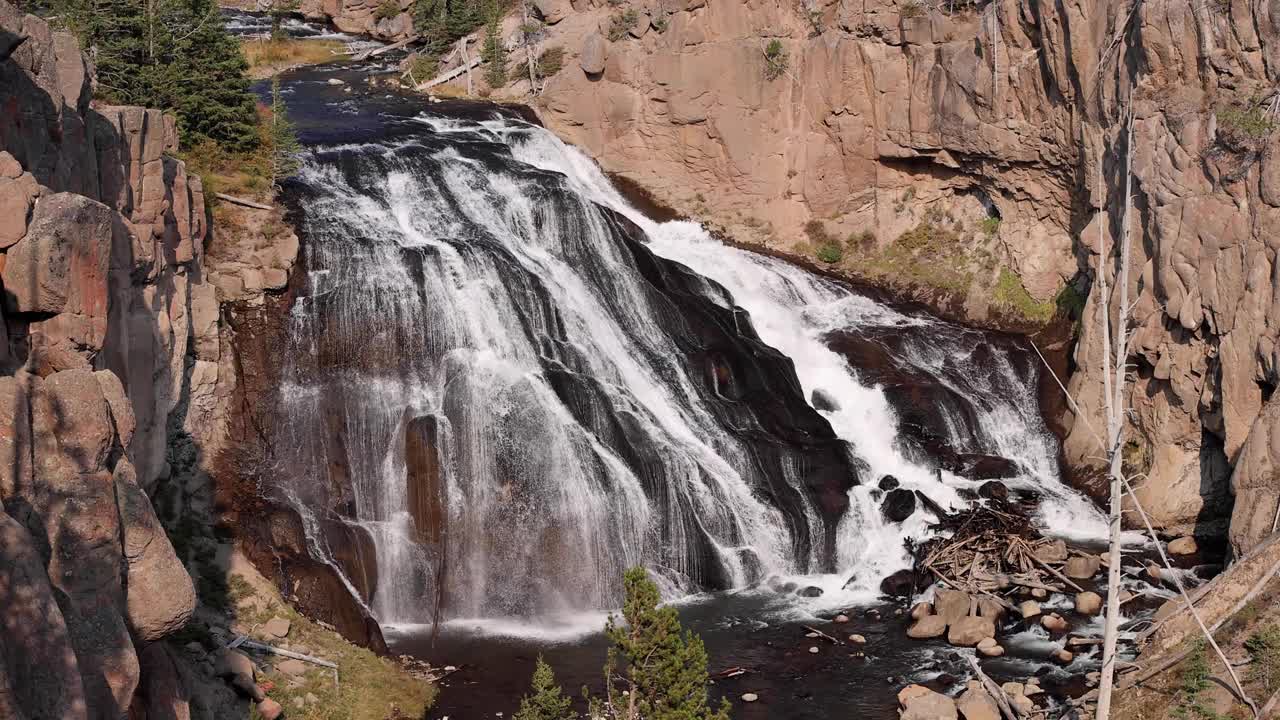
x: 115, y: 376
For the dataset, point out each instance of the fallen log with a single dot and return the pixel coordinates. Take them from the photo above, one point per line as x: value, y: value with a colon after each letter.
x: 373, y: 52
x: 821, y: 634
x: 243, y: 201
x: 448, y: 75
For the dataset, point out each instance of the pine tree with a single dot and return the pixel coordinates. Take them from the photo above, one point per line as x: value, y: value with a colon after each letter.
x: 169, y: 54
x: 494, y: 52
x: 285, y: 148
x: 546, y: 702
x: 666, y: 667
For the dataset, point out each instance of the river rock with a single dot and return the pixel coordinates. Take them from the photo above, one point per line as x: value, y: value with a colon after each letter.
x: 840, y: 619
x: 982, y: 467
x: 270, y: 709
x: 977, y: 704
x: 812, y: 591
x: 1183, y: 546
x: 594, y: 53
x: 1055, y: 551
x: 951, y: 604
x: 898, y: 505
x: 889, y: 482
x: 749, y: 697
x: 969, y: 631
x: 930, y: 626
x: 921, y: 703
x: 1064, y: 656
x: 920, y: 610
x: 1088, y: 603
x: 1054, y: 623
x: 821, y: 399
x: 990, y: 648
x: 993, y: 490
x: 857, y: 639
x: 1082, y: 567
x: 1029, y: 609
x: 900, y: 584
x: 813, y: 649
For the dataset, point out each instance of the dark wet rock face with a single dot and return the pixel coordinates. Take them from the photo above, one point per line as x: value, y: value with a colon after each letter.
x: 824, y: 401
x: 888, y: 482
x: 901, y: 584
x: 898, y: 505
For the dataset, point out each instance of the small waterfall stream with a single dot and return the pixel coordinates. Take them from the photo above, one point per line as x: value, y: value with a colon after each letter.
x: 508, y: 386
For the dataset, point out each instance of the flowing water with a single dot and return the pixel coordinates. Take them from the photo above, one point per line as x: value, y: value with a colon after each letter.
x: 514, y: 385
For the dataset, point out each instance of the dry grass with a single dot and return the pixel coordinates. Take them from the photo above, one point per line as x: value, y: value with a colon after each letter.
x: 370, y: 687
x: 268, y: 57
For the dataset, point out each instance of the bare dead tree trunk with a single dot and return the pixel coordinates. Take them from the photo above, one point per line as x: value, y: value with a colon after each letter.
x: 466, y: 62
x: 1114, y: 403
x: 528, y: 45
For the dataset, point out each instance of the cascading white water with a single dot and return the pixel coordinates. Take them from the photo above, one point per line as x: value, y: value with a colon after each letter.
x: 468, y: 276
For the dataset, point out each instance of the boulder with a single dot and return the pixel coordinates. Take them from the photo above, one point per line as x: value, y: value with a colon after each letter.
x: 977, y: 704
x: 749, y: 697
x: 1064, y: 656
x: 1185, y: 545
x: 1088, y: 603
x: 898, y: 505
x: 982, y: 467
x: 595, y: 51
x: 951, y: 605
x: 552, y: 11
x: 900, y: 584
x: 993, y: 490
x: 61, y: 265
x: 989, y: 608
x: 1054, y: 623
x: 840, y: 619
x: 920, y: 610
x: 277, y: 627
x: 930, y: 626
x: 1055, y: 551
x: 17, y: 195
x: 921, y: 703
x: 811, y: 591
x: 969, y: 631
x: 234, y: 662
x: 270, y: 709
x: 990, y: 648
x: 858, y: 639
x: 1029, y: 609
x: 1082, y: 567
x: 888, y: 482
x: 820, y: 399
x: 160, y: 595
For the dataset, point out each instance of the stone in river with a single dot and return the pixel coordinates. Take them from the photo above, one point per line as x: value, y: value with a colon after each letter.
x: 824, y: 401
x: 811, y: 591
x: 898, y: 505
x: 1088, y: 603
x: 969, y: 631
x: 930, y: 626
x: 749, y: 697
x: 888, y: 482
x: 1183, y: 546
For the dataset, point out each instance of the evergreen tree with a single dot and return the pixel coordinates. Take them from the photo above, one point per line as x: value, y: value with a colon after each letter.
x: 285, y: 148
x: 280, y: 9
x: 494, y: 52
x: 169, y: 54
x: 666, y: 667
x: 546, y: 702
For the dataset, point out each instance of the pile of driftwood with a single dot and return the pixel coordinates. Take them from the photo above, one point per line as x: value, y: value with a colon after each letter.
x: 989, y: 551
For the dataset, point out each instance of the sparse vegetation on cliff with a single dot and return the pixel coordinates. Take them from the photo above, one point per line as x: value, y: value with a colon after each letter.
x: 1244, y: 126
x: 1011, y: 297
x: 775, y: 60
x: 621, y: 23
x: 549, y: 62
x: 911, y: 9
x: 386, y: 10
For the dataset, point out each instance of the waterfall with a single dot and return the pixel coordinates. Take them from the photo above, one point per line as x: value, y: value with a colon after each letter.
x: 512, y: 386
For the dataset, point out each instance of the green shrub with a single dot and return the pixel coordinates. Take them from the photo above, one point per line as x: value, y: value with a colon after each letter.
x: 547, y: 701
x: 660, y: 21
x: 622, y: 23
x: 1071, y: 301
x: 989, y: 226
x: 423, y: 66
x: 387, y: 10
x: 829, y: 253
x: 550, y: 61
x: 1264, y: 646
x: 1011, y: 296
x: 865, y: 241
x: 666, y: 666
x: 1244, y: 126
x: 775, y: 60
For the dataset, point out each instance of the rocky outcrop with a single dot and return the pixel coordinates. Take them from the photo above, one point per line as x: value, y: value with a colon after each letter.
x: 105, y: 319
